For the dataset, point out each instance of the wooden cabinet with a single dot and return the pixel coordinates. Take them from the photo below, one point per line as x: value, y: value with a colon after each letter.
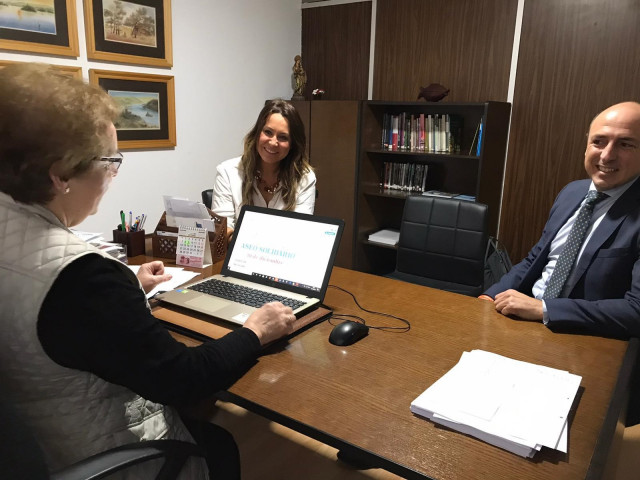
x: 464, y: 172
x: 332, y: 141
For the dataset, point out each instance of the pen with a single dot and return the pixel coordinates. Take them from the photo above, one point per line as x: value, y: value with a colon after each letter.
x: 124, y: 227
x: 143, y: 218
x: 130, y: 219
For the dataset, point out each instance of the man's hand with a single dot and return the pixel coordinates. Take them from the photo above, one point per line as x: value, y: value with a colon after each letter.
x: 152, y: 274
x: 512, y: 302
x: 486, y: 297
x: 271, y: 321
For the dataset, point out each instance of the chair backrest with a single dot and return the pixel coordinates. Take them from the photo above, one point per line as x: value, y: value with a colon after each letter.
x: 207, y: 197
x: 443, y: 243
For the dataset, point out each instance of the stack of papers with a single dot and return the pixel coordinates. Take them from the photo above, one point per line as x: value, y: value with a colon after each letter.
x: 388, y: 237
x: 96, y: 239
x: 514, y: 405
x: 181, y: 211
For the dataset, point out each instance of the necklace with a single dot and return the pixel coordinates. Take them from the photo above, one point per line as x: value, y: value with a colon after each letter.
x: 270, y: 189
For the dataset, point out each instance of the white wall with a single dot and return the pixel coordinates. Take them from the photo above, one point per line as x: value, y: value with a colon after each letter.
x: 228, y: 57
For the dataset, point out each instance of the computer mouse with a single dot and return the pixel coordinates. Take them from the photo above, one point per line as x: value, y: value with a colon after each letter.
x: 348, y: 333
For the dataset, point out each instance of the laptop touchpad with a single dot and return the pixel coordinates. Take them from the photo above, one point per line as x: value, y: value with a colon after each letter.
x: 219, y: 307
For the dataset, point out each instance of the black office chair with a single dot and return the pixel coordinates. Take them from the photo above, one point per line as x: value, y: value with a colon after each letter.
x: 442, y: 244
x: 207, y: 197
x: 22, y: 457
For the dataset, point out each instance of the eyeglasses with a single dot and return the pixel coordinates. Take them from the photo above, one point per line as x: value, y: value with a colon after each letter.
x: 114, y: 161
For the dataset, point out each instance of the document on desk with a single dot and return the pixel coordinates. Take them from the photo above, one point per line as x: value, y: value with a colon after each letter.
x: 179, y: 276
x: 514, y: 405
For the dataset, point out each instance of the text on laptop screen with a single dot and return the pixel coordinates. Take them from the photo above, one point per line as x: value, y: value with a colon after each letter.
x: 285, y: 250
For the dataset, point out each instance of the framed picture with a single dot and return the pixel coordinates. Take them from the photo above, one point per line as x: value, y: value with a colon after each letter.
x: 75, y: 72
x: 41, y: 26
x: 137, y: 31
x: 148, y: 116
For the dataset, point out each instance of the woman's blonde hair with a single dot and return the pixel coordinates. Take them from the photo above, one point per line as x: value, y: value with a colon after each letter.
x: 292, y: 168
x: 48, y: 118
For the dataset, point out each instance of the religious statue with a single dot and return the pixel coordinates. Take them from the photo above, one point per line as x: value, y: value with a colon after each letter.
x: 299, y: 79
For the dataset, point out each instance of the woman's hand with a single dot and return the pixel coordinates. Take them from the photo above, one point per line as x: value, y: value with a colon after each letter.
x: 152, y: 274
x: 271, y: 321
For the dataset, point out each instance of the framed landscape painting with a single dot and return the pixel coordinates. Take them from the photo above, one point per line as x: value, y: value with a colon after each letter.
x: 136, y: 31
x: 147, y: 102
x: 39, y: 26
x: 75, y: 72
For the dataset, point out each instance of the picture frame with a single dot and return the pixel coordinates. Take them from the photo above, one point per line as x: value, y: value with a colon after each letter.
x: 129, y: 31
x: 48, y: 30
x: 75, y: 72
x: 148, y: 119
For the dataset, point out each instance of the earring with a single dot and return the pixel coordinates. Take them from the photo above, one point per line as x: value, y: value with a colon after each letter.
x: 67, y: 190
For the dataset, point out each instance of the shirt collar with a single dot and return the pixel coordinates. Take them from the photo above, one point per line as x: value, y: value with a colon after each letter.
x: 616, y: 192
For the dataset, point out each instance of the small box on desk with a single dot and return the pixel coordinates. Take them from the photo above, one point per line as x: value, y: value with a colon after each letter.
x: 133, y: 240
x: 164, y: 240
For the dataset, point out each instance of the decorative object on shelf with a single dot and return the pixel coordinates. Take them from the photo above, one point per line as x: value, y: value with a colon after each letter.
x: 317, y: 93
x: 129, y: 32
x: 433, y: 93
x: 148, y: 118
x: 299, y: 79
x: 52, y: 29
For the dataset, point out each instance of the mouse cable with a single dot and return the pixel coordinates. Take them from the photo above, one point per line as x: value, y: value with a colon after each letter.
x: 346, y: 316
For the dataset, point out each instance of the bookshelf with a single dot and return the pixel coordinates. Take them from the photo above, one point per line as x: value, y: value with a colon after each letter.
x: 477, y: 172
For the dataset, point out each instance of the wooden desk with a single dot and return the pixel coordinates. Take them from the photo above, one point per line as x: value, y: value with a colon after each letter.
x: 357, y: 398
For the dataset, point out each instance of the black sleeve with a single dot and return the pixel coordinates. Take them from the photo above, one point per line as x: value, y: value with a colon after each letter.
x: 94, y: 318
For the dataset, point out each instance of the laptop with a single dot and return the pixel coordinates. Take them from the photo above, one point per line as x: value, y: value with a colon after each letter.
x: 285, y: 256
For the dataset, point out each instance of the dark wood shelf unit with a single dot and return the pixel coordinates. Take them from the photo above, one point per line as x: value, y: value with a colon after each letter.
x: 462, y: 173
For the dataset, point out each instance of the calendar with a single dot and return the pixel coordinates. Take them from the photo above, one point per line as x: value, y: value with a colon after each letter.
x: 193, y: 249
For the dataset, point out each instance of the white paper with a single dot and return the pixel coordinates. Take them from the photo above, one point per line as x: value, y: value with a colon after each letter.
x: 179, y: 277
x: 181, y: 211
x: 516, y: 405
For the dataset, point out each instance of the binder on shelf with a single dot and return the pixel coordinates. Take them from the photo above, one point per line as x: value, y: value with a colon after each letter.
x: 388, y: 236
x: 164, y: 239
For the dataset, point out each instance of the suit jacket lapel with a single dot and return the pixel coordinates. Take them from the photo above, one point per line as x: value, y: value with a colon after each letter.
x: 557, y: 219
x: 613, y: 218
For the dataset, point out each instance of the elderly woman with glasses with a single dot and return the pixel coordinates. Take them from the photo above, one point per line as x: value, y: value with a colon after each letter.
x: 81, y: 356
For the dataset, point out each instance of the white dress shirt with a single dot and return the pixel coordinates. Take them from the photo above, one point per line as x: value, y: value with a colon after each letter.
x: 227, y: 193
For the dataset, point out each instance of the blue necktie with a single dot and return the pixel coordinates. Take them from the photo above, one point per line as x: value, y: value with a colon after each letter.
x: 567, y: 257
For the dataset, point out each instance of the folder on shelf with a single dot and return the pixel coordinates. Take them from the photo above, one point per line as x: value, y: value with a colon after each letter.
x: 386, y: 236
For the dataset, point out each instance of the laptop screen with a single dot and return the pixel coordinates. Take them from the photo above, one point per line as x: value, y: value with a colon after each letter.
x: 288, y: 250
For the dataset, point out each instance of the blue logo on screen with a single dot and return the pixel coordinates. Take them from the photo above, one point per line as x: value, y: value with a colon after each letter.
x: 330, y: 233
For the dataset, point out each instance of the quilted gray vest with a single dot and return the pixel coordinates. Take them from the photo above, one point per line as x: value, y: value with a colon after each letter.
x: 73, y: 414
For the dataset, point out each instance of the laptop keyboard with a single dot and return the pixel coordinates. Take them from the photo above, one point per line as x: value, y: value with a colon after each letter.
x: 241, y: 294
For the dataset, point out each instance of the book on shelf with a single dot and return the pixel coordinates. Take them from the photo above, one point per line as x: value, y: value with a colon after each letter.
x: 476, y: 143
x: 387, y: 236
x: 438, y: 193
x: 469, y: 198
x: 408, y: 177
x: 407, y: 132
x: 518, y: 406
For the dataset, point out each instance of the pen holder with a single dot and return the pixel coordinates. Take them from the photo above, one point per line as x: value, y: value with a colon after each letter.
x: 133, y: 240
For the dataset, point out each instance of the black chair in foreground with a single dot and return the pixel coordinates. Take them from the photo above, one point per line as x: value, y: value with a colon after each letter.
x: 23, y: 458
x: 442, y: 244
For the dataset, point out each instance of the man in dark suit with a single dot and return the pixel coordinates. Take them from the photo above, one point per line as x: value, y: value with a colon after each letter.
x: 601, y: 294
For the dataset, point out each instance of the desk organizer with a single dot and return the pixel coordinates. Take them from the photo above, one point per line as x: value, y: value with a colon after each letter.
x: 133, y: 240
x: 164, y: 242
